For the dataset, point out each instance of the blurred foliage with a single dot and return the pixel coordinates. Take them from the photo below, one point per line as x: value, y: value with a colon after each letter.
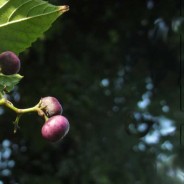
x: 101, y: 60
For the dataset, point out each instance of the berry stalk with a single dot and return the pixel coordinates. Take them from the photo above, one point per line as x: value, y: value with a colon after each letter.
x: 36, y: 108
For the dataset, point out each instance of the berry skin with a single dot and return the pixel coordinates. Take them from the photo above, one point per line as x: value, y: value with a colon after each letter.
x: 9, y: 63
x: 55, y: 128
x: 51, y: 106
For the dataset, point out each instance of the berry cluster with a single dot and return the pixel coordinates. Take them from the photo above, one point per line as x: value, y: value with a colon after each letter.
x: 56, y: 126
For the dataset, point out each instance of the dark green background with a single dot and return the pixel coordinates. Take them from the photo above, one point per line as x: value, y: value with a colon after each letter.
x: 95, y: 42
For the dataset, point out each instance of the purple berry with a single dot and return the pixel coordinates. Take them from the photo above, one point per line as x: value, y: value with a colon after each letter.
x: 9, y: 63
x: 51, y: 106
x: 55, y: 128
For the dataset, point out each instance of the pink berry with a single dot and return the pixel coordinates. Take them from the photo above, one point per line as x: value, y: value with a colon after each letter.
x: 51, y: 106
x: 55, y: 128
x: 9, y: 63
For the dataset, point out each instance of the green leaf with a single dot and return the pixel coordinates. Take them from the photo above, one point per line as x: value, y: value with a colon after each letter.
x: 23, y: 21
x: 7, y: 82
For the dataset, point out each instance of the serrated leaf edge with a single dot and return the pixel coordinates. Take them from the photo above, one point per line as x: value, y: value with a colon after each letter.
x: 61, y: 10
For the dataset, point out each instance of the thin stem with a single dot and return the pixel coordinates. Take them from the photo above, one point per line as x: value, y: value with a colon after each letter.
x: 8, y: 104
x: 36, y: 108
x: 21, y: 111
x: 16, y: 123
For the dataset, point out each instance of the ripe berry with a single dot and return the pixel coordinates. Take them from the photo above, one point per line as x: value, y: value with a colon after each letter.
x: 55, y: 128
x: 9, y: 63
x: 51, y: 106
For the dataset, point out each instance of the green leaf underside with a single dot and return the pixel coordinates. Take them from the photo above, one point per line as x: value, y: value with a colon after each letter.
x: 23, y: 21
x: 8, y: 82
